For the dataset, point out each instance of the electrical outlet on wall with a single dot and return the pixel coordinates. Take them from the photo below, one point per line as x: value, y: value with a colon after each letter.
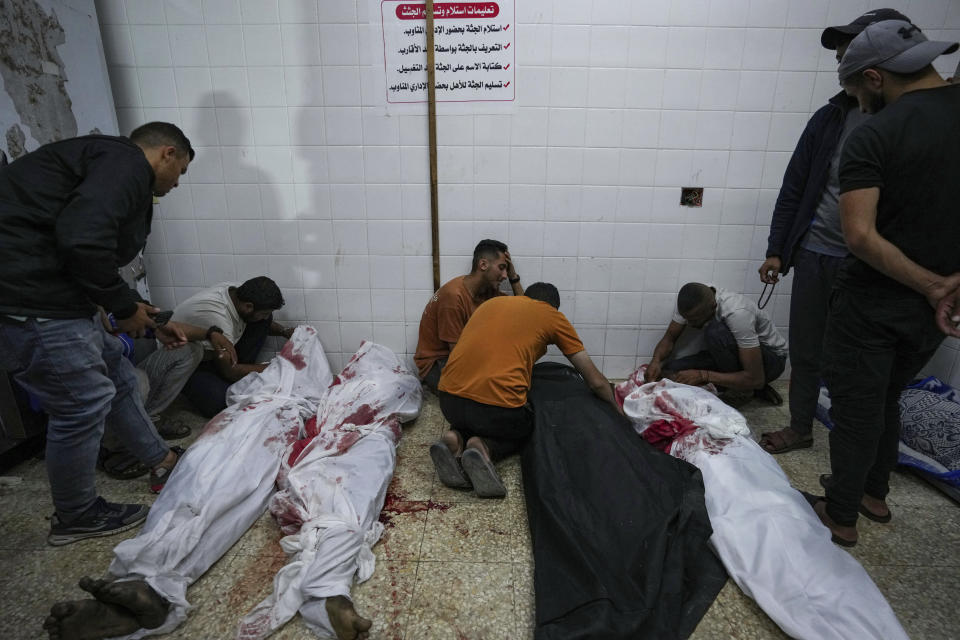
x: 691, y: 196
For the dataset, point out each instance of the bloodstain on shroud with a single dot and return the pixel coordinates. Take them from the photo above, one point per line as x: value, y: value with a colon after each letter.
x: 337, y: 439
x: 294, y: 357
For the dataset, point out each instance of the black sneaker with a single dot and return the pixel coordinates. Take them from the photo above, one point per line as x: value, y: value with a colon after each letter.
x: 102, y: 519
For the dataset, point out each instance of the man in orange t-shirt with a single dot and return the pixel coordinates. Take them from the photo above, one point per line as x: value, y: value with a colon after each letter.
x: 483, y: 388
x: 452, y: 305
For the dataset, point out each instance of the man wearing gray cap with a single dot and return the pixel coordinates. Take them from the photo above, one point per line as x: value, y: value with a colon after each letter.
x: 901, y: 223
x: 805, y: 234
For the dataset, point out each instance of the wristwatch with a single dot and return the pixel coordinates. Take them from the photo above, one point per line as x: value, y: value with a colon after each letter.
x: 514, y: 280
x: 212, y: 330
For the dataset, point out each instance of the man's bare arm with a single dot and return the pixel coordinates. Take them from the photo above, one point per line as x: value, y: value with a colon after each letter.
x: 233, y: 372
x: 663, y: 350
x: 277, y: 329
x: 597, y: 382
x: 512, y: 275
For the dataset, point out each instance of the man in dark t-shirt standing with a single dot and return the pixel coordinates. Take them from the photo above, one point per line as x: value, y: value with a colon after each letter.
x: 902, y: 225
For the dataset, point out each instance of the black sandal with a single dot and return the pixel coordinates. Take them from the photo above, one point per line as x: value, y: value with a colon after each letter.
x: 812, y: 500
x: 121, y: 465
x: 172, y: 429
x: 482, y: 475
x: 826, y: 479
x: 448, y: 466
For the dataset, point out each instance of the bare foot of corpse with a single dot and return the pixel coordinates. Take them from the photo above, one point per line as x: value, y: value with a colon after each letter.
x: 136, y: 596
x: 347, y: 623
x: 88, y: 620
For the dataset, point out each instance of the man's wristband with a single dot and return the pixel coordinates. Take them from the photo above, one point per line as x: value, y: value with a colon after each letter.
x: 513, y: 280
x: 212, y: 330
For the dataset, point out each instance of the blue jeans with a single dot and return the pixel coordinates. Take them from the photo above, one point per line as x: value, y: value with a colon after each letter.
x: 82, y: 380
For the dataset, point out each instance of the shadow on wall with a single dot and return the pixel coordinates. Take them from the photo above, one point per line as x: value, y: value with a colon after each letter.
x: 262, y: 205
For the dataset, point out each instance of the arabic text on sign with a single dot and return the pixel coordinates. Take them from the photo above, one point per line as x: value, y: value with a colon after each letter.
x: 449, y: 10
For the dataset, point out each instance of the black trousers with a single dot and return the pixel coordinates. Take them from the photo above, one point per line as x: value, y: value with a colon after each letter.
x: 432, y: 379
x: 206, y: 389
x: 723, y: 354
x: 504, y: 430
x: 872, y: 349
x: 813, y: 276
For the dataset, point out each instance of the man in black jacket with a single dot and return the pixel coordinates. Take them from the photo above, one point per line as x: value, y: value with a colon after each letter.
x: 71, y: 213
x: 805, y: 233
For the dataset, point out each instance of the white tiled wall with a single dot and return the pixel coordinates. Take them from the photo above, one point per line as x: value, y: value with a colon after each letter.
x: 300, y: 175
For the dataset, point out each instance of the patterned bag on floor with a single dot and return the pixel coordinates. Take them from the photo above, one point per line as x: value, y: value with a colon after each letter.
x: 930, y: 432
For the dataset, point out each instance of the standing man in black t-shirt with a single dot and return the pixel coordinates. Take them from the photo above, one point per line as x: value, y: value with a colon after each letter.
x: 902, y: 225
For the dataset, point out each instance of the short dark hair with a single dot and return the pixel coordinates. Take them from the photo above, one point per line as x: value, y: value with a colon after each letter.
x: 261, y: 292
x: 544, y: 292
x: 691, y: 296
x: 162, y: 134
x: 489, y: 249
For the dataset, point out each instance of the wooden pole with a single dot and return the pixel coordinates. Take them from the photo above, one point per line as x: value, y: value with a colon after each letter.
x: 432, y: 121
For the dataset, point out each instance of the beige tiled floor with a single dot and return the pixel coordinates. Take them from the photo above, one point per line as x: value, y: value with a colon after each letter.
x: 453, y: 566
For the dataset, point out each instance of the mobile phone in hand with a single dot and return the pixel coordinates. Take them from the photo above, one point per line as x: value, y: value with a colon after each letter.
x: 162, y: 318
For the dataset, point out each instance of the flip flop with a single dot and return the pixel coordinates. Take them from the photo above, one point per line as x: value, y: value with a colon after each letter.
x: 484, y: 477
x: 767, y: 438
x: 812, y: 500
x: 826, y: 480
x: 447, y: 466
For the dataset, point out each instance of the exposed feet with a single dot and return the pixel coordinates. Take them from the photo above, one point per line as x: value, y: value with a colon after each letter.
x: 445, y: 454
x: 841, y: 535
x: 479, y: 445
x: 347, y: 623
x: 136, y: 596
x: 88, y: 620
x: 784, y: 440
x: 454, y: 442
x: 168, y: 462
x: 161, y: 473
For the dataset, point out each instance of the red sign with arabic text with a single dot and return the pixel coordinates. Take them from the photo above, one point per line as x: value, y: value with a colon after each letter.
x: 449, y: 10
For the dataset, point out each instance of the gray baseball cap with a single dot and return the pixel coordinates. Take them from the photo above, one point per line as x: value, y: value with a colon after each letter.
x: 892, y: 45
